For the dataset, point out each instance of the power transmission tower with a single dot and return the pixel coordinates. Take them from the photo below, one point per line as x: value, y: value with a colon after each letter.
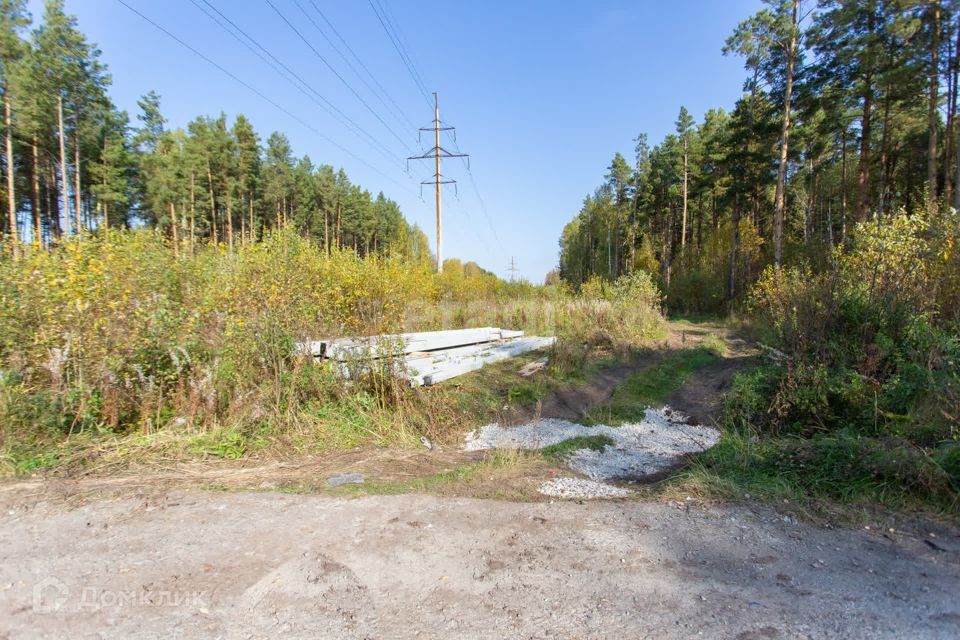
x: 513, y: 269
x: 435, y: 154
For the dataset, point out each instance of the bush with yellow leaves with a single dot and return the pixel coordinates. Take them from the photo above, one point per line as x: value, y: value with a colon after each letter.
x: 119, y: 335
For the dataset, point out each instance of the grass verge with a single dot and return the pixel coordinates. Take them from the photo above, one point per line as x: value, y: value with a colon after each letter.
x: 840, y: 471
x: 503, y: 474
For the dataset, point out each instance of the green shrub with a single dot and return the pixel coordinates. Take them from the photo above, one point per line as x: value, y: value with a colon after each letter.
x: 872, y: 346
x: 866, y: 398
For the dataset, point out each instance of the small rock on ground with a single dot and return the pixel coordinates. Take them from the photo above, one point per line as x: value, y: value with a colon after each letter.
x: 345, y: 478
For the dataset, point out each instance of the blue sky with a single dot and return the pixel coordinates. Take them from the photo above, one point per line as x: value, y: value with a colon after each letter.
x: 542, y: 94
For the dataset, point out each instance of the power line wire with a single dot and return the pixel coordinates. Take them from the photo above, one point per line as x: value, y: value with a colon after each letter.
x: 399, y: 43
x: 344, y: 117
x: 407, y: 63
x: 396, y: 38
x: 395, y: 110
x: 473, y: 230
x: 258, y: 93
x: 395, y: 26
x: 293, y: 78
x: 336, y: 73
x: 476, y: 190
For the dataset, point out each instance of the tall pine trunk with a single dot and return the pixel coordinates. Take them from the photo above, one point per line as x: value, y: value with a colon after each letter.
x: 843, y: 185
x: 780, y: 197
x: 683, y: 227
x: 76, y: 179
x: 956, y: 142
x: 105, y: 221
x: 213, y: 205
x: 668, y: 249
x: 884, y: 151
x: 193, y: 208
x: 54, y: 217
x: 64, y: 209
x: 952, y: 68
x: 616, y: 245
x: 735, y: 222
x: 229, y: 222
x: 243, y: 222
x: 11, y: 199
x: 35, y: 201
x: 173, y: 228
x: 734, y: 248
x: 933, y: 117
x: 863, y: 165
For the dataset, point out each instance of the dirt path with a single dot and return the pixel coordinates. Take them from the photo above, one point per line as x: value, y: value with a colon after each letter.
x: 574, y: 401
x: 261, y: 565
x: 700, y: 398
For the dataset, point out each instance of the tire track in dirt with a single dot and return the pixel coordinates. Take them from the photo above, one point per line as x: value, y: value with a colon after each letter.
x: 700, y: 397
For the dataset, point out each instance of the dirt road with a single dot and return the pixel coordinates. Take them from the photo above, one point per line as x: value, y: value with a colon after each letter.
x: 197, y: 564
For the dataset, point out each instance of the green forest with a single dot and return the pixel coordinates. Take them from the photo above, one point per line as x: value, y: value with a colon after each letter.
x: 75, y: 164
x: 848, y: 115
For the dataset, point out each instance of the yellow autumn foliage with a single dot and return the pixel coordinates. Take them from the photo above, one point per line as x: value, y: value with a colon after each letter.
x: 119, y: 333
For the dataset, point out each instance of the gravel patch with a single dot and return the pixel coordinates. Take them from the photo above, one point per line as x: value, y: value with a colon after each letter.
x: 580, y: 488
x: 640, y: 449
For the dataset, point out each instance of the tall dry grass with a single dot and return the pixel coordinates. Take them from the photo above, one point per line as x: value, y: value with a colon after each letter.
x: 118, y: 337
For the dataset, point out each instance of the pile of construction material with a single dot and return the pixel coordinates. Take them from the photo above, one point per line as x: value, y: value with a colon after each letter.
x: 427, y: 357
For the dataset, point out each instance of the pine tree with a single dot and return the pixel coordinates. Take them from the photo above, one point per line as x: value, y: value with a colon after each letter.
x: 13, y: 19
x: 684, y: 124
x: 112, y: 174
x: 247, y: 146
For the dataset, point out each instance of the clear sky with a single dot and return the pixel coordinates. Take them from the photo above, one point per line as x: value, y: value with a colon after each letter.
x: 542, y: 94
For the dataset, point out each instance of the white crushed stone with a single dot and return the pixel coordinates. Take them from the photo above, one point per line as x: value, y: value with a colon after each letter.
x: 640, y: 449
x: 580, y: 488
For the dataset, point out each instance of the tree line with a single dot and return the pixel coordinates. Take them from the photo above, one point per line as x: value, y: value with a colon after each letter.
x: 75, y: 164
x: 848, y: 112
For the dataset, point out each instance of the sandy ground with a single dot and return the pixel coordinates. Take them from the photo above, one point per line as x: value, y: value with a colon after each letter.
x: 195, y: 564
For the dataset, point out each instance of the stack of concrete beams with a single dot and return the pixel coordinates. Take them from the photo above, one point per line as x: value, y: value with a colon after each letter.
x: 428, y: 357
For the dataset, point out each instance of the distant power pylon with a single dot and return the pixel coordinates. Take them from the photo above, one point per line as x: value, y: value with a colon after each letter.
x: 435, y: 154
x: 513, y: 269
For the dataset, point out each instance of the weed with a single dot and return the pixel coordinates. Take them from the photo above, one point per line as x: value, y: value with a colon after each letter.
x: 526, y: 393
x: 220, y: 444
x: 563, y: 449
x: 839, y: 467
